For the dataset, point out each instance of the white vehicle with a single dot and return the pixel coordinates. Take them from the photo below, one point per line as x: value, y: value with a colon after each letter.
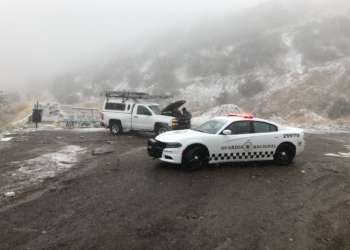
x: 124, y: 110
x: 233, y: 138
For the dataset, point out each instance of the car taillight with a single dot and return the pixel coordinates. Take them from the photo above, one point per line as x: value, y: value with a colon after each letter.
x: 102, y: 116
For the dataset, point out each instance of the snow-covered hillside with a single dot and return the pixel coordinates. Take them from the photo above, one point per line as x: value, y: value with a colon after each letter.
x: 286, y: 61
x: 222, y: 110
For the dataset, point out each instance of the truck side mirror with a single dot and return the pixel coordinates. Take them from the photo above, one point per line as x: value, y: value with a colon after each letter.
x: 147, y: 113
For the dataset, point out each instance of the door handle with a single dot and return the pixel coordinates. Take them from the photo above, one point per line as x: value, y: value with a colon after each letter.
x: 136, y: 117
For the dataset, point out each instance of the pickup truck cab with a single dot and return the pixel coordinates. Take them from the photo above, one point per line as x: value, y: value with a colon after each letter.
x: 119, y: 115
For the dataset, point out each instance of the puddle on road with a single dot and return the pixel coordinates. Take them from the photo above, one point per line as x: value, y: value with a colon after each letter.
x: 30, y: 173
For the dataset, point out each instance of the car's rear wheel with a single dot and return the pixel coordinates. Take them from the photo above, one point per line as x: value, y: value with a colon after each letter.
x: 195, y: 158
x: 284, y: 154
x: 116, y: 128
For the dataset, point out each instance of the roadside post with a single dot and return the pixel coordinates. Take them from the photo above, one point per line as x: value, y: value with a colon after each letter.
x: 37, y: 114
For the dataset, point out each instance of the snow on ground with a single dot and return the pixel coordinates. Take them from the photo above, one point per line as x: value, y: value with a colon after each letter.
x: 341, y: 154
x: 22, y: 174
x: 32, y: 172
x: 323, y: 128
x: 312, y: 115
x: 293, y: 60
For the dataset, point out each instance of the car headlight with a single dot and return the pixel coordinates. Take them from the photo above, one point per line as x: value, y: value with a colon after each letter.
x: 175, y: 122
x: 173, y: 145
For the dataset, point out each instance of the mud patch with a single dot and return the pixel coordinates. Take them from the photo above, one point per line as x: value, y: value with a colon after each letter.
x: 32, y: 172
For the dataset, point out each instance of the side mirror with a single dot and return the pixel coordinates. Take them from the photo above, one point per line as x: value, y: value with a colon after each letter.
x: 147, y: 113
x: 226, y: 132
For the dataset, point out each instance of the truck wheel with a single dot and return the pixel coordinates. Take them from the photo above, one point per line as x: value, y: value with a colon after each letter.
x: 116, y: 128
x: 161, y: 129
x: 196, y: 158
x: 284, y: 154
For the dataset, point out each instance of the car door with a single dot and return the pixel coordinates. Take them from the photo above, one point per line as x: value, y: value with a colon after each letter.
x: 142, y: 118
x: 237, y: 145
x: 265, y: 140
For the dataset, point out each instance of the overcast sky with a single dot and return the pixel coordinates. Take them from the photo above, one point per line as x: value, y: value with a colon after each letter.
x: 43, y: 37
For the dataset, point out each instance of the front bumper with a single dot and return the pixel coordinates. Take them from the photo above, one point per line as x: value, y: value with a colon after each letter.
x: 153, y: 149
x: 157, y: 149
x: 180, y: 127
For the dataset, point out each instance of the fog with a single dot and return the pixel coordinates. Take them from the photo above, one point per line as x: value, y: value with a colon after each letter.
x: 40, y: 38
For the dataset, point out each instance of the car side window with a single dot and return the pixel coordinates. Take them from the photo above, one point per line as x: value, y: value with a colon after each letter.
x: 142, y: 110
x: 240, y: 127
x: 263, y: 127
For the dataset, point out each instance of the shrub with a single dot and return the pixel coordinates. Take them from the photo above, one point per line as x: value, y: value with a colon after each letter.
x: 222, y: 98
x: 3, y: 100
x: 251, y: 88
x: 340, y: 108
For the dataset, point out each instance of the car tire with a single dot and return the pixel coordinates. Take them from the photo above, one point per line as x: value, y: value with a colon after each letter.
x: 196, y: 158
x: 116, y: 128
x: 284, y: 154
x: 161, y: 129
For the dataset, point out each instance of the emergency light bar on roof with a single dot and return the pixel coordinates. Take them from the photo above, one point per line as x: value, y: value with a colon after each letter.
x: 241, y: 115
x: 134, y: 95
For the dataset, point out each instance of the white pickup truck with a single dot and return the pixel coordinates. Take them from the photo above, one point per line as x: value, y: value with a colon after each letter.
x: 119, y: 114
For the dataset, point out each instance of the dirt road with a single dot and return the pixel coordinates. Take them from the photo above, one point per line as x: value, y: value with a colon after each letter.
x: 125, y: 200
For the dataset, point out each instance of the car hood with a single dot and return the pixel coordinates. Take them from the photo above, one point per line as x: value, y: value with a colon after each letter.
x: 176, y: 135
x: 174, y: 105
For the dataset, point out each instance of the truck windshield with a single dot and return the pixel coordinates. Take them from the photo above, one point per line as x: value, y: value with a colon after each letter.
x: 210, y: 127
x: 157, y: 109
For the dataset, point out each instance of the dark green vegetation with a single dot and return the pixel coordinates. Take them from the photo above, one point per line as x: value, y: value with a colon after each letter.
x: 340, y: 108
x: 251, y: 88
x: 223, y: 98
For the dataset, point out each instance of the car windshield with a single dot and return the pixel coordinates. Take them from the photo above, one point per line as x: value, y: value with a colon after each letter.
x: 157, y: 109
x: 211, y: 127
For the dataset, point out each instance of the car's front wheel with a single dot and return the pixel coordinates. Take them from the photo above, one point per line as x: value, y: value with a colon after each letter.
x: 116, y: 128
x: 196, y: 158
x: 161, y: 130
x: 284, y: 154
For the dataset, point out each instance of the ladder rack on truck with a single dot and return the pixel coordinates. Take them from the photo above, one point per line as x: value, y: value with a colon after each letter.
x: 132, y: 95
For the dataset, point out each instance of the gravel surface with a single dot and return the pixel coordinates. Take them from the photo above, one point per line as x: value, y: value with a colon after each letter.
x: 79, y: 189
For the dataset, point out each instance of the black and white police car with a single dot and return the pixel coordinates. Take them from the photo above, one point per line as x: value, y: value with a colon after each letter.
x: 235, y: 138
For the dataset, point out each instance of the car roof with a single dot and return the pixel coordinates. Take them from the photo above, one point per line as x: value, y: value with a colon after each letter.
x: 130, y: 101
x: 238, y: 118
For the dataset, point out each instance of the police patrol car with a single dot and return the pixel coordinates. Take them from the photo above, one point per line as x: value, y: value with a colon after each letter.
x: 237, y: 137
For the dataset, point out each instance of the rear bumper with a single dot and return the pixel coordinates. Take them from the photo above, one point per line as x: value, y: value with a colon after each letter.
x: 300, y: 148
x: 104, y: 125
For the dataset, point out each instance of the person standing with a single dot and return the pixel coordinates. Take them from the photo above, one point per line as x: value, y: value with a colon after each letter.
x: 186, y: 113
